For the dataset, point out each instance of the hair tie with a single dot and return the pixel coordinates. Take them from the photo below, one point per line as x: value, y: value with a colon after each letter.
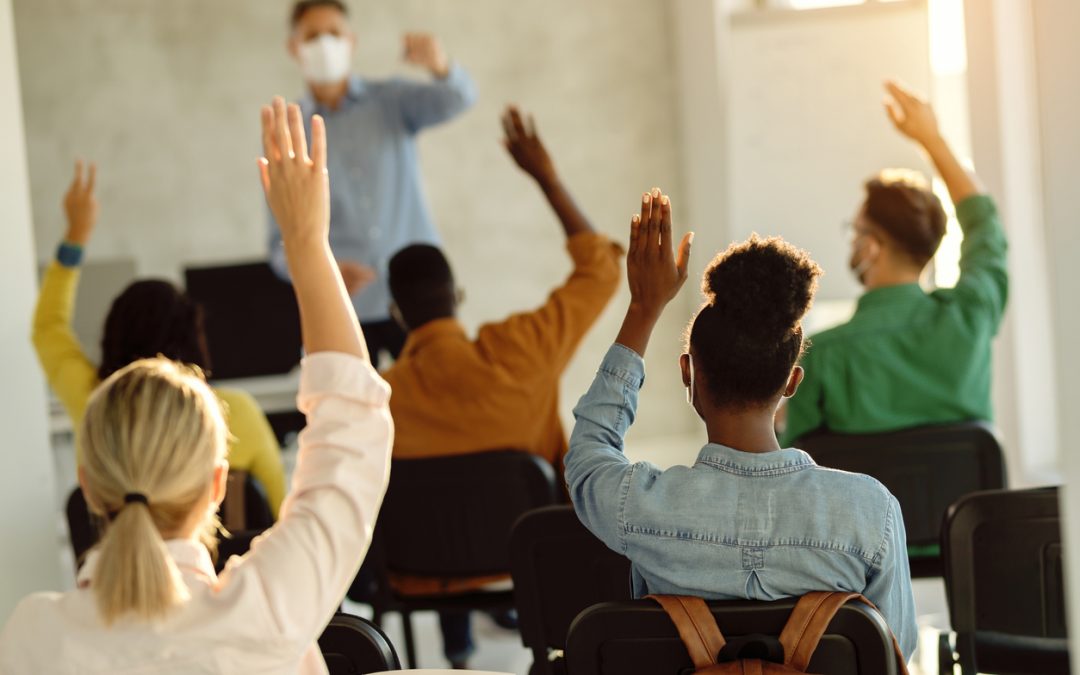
x: 136, y: 497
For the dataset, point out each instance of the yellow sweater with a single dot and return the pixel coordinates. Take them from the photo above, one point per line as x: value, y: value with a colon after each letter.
x: 253, y: 448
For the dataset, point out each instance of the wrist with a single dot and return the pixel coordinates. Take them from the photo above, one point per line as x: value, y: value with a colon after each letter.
x: 305, y: 245
x: 934, y: 143
x: 644, y: 313
x: 441, y: 70
x: 548, y: 181
x: 77, y: 236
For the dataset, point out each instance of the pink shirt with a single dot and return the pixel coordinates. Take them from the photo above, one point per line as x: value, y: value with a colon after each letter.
x: 267, y: 609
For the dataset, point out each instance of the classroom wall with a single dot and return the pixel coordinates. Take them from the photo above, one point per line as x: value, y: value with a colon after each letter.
x: 1056, y: 23
x: 29, y: 555
x: 1007, y: 150
x: 164, y: 96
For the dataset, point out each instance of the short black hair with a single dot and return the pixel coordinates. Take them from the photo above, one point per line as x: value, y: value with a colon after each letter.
x: 422, y: 285
x: 302, y: 6
x: 153, y: 318
x: 748, y: 335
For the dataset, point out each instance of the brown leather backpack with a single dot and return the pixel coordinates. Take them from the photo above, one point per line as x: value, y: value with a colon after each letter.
x: 811, y: 616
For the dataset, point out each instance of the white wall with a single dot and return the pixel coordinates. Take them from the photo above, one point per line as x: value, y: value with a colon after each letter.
x: 165, y: 97
x: 29, y: 554
x: 1056, y: 23
x: 1006, y: 146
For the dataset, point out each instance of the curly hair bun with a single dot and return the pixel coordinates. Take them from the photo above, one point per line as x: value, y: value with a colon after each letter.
x: 763, y: 286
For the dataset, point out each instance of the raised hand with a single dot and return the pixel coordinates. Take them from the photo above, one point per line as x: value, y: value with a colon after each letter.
x: 81, y: 205
x: 425, y: 50
x: 297, y: 189
x: 653, y: 269
x: 525, y: 146
x: 297, y: 185
x: 910, y: 114
x: 356, y: 276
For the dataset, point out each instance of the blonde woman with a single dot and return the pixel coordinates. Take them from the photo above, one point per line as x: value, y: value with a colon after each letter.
x: 154, y: 442
x: 151, y: 317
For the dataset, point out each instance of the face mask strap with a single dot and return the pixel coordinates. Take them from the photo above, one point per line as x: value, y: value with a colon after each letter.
x: 690, y: 387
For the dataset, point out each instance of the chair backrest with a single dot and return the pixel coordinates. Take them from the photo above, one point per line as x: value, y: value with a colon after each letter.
x: 246, y: 506
x: 351, y: 645
x: 252, y: 322
x: 639, y: 637
x: 84, y: 527
x: 559, y: 570
x: 1004, y: 578
x: 452, y: 516
x: 926, y: 468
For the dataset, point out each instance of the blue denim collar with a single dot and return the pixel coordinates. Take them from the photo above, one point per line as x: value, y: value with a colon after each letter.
x: 773, y: 463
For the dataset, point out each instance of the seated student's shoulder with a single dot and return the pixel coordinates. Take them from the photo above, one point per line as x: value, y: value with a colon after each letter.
x: 35, y: 615
x: 866, y: 493
x: 237, y: 402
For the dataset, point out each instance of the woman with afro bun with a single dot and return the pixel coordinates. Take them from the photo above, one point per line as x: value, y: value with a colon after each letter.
x: 750, y: 519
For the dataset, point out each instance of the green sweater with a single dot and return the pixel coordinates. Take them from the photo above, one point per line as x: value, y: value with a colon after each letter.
x: 910, y: 358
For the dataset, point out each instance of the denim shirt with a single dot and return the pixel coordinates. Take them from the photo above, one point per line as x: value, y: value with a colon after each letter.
x: 735, y: 525
x: 377, y: 202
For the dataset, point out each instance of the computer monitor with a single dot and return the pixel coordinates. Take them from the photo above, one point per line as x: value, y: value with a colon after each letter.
x: 252, y: 322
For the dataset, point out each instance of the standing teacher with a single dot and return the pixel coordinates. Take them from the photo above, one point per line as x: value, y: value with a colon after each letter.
x: 377, y: 200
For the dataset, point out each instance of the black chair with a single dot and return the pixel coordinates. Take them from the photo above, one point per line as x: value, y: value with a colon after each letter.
x: 84, y: 528
x: 559, y: 570
x: 1004, y: 582
x: 638, y: 637
x: 352, y: 645
x: 252, y: 322
x: 450, y: 517
x: 927, y: 469
x: 246, y: 506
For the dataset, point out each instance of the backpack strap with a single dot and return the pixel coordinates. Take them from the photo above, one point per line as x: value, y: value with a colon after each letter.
x: 696, y: 625
x: 808, y: 622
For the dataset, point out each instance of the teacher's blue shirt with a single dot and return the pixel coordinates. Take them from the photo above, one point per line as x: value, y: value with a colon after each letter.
x: 377, y: 203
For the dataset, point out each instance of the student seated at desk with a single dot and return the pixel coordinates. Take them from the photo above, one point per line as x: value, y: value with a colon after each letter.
x: 154, y: 443
x: 454, y: 395
x: 749, y: 520
x: 150, y: 318
x: 909, y: 358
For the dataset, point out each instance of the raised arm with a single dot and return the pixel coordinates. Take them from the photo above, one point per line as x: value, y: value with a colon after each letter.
x: 297, y: 188
x: 68, y: 370
x: 984, y: 278
x: 451, y: 92
x: 913, y: 117
x: 549, y: 334
x: 303, y: 565
x: 524, y: 145
x: 598, y: 475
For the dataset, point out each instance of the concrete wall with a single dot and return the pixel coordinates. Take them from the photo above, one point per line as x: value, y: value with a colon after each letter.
x: 165, y: 95
x: 29, y: 555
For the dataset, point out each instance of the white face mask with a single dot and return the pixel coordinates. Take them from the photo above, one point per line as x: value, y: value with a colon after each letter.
x: 326, y: 59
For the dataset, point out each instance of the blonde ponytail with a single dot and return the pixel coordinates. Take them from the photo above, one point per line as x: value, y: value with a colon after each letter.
x: 152, y: 435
